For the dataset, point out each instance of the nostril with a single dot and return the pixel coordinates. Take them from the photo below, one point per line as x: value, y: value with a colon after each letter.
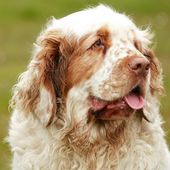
x: 135, y: 66
x: 138, y: 66
x: 147, y: 66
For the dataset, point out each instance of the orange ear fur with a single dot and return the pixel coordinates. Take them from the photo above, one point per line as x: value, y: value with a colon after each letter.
x: 156, y: 73
x: 43, y: 83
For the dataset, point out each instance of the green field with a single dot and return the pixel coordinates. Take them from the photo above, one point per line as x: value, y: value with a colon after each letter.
x: 21, y: 21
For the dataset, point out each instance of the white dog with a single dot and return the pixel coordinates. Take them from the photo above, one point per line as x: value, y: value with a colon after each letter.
x: 89, y: 99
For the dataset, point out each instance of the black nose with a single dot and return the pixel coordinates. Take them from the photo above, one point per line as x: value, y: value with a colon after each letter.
x: 139, y: 65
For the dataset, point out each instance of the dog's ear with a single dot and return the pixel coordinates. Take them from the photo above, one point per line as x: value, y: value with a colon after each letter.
x: 142, y: 43
x: 156, y: 86
x: 155, y: 89
x: 40, y: 87
x: 156, y: 82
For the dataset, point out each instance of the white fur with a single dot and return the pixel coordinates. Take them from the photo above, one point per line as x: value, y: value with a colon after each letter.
x: 58, y: 146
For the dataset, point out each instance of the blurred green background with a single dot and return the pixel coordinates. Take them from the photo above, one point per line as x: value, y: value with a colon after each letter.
x: 22, y: 20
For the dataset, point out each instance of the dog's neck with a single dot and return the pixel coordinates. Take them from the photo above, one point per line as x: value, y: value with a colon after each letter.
x: 108, y: 138
x: 85, y: 138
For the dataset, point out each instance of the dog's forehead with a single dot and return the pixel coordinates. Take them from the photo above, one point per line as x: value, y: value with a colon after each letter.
x: 92, y: 19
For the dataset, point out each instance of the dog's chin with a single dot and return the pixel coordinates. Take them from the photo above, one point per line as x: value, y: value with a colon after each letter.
x: 111, y: 114
x: 121, y: 108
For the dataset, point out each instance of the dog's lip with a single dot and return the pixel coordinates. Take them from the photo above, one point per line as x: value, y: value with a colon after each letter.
x: 133, y: 100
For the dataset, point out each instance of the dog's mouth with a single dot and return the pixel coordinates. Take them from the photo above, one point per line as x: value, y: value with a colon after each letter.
x: 120, y: 108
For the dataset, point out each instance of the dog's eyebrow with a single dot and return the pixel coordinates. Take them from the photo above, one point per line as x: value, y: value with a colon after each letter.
x: 87, y: 40
x: 104, y: 32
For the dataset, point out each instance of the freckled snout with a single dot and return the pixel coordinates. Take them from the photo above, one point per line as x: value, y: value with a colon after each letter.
x: 139, y: 65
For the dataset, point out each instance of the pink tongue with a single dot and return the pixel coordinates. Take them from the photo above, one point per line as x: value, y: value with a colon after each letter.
x: 134, y: 101
x: 98, y: 104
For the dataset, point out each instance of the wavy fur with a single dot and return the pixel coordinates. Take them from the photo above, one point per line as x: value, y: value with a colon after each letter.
x: 52, y: 126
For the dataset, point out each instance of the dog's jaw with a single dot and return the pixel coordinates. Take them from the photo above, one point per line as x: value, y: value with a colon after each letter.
x: 117, y: 109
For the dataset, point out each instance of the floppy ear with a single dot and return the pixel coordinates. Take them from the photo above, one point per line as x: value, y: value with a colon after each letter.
x: 39, y: 88
x: 141, y: 43
x: 156, y: 85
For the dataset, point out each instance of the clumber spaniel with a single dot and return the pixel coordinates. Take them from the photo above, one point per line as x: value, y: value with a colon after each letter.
x: 89, y: 98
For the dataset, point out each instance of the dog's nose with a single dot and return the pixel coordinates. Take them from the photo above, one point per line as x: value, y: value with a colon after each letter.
x: 139, y: 65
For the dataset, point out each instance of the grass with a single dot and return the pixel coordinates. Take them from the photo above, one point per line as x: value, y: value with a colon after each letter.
x: 21, y: 22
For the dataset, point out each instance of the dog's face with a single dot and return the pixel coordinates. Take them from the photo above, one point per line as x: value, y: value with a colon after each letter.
x: 111, y: 68
x: 97, y: 62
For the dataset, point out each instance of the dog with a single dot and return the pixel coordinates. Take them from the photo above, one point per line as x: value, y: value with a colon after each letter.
x: 89, y: 99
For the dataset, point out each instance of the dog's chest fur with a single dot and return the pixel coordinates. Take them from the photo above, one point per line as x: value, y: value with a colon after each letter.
x: 53, y: 149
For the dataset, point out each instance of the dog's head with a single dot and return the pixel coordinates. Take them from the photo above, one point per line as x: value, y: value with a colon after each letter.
x: 93, y: 64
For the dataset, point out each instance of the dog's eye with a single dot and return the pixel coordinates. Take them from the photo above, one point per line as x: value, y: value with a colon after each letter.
x: 97, y: 44
x: 147, y: 56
